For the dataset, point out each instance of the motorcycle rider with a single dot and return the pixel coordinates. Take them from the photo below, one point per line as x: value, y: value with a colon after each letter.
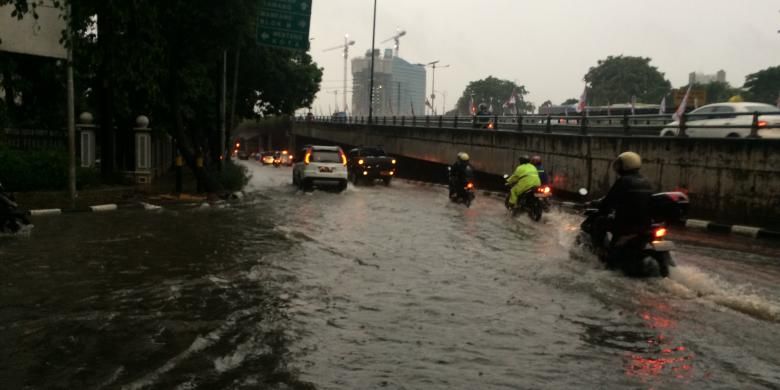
x: 523, y: 179
x: 537, y: 162
x: 482, y: 118
x: 460, y: 172
x: 11, y: 218
x: 629, y: 198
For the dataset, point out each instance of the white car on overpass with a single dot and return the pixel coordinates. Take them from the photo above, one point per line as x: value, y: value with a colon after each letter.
x: 722, y: 116
x: 320, y: 165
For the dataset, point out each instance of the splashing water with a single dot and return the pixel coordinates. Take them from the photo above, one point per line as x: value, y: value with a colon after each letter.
x: 689, y: 282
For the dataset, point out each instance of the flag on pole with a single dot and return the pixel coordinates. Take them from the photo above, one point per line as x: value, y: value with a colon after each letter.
x: 662, y: 110
x: 681, y: 110
x: 581, y: 104
x: 512, y: 99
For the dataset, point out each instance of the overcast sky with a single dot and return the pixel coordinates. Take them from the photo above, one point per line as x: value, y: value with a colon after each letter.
x: 548, y: 45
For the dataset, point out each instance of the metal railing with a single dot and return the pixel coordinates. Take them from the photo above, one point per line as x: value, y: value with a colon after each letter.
x: 30, y: 139
x: 636, y: 125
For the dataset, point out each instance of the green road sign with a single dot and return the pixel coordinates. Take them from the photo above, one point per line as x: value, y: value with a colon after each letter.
x: 284, y: 23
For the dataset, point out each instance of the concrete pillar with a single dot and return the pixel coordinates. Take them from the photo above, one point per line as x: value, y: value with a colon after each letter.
x: 86, y: 130
x: 143, y: 151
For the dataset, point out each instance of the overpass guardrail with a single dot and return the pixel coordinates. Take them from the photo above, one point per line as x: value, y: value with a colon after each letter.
x: 732, y: 125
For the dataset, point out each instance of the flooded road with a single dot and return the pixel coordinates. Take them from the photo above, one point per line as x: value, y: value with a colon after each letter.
x: 373, y: 288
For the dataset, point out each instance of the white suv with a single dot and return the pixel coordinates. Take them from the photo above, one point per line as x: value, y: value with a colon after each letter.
x: 320, y: 165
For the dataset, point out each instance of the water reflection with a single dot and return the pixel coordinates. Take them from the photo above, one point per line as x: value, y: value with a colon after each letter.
x: 663, y: 356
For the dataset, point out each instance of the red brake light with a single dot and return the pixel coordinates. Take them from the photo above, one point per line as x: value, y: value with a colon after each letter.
x: 660, y: 233
x: 470, y: 186
x: 762, y: 124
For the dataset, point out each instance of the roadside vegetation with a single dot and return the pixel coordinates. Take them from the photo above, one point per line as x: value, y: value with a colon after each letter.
x: 165, y: 60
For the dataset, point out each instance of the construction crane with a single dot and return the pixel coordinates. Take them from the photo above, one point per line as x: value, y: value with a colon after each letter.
x: 397, y: 39
x: 345, y: 47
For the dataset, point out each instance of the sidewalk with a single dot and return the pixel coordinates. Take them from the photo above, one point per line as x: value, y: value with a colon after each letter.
x: 161, y: 191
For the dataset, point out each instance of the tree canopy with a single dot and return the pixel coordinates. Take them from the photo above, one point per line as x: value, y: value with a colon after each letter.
x: 764, y: 85
x: 495, y: 91
x: 617, y: 79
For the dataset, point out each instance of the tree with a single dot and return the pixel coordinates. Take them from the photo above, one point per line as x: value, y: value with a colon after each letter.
x: 495, y: 91
x: 617, y: 79
x: 164, y: 59
x: 570, y: 101
x: 763, y: 86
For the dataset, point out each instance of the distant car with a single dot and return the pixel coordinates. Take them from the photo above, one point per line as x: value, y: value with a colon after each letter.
x: 243, y: 155
x: 369, y: 164
x: 317, y: 166
x: 286, y: 158
x: 267, y: 158
x: 725, y: 114
x: 340, y: 116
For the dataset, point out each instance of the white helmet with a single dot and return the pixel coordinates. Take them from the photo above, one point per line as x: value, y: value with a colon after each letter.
x: 463, y: 156
x: 627, y: 161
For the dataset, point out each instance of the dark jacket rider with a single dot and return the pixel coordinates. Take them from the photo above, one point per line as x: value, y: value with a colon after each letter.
x: 483, y: 116
x: 629, y: 198
x: 543, y: 177
x: 460, y: 172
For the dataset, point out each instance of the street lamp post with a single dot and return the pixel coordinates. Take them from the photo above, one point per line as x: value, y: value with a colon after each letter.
x: 433, y: 83
x: 371, y: 84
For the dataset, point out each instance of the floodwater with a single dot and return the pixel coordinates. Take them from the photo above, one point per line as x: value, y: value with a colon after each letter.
x: 378, y: 287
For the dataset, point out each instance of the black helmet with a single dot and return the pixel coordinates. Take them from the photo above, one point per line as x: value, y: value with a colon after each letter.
x: 483, y: 107
x: 524, y: 159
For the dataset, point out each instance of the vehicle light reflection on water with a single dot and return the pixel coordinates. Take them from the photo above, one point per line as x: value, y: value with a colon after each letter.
x: 665, y: 357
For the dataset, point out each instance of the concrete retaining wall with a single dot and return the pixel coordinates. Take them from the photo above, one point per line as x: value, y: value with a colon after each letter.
x: 733, y: 180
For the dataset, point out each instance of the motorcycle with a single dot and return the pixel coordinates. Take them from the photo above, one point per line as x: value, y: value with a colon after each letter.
x: 462, y: 192
x: 645, y: 254
x: 12, y: 219
x: 531, y: 202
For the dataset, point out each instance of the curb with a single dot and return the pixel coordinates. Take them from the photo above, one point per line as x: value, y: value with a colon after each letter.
x: 747, y: 231
x: 104, y: 208
x: 100, y: 208
x: 694, y: 224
